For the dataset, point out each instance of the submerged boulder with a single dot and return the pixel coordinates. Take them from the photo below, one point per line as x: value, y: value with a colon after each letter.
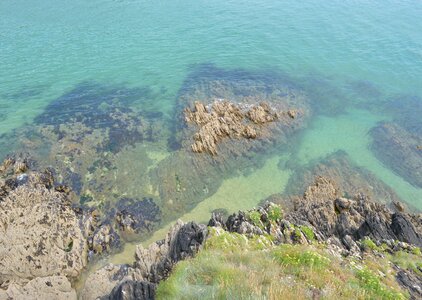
x: 349, y: 180
x: 398, y: 149
x: 134, y: 216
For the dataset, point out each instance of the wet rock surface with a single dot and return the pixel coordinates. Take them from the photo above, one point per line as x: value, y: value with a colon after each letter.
x: 398, y: 149
x: 134, y: 216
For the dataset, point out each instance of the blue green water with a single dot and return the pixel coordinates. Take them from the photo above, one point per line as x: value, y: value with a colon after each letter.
x: 352, y: 56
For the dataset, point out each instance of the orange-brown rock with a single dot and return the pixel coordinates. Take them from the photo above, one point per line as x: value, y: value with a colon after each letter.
x: 225, y: 119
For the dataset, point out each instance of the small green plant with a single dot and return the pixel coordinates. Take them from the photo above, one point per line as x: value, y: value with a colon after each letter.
x: 372, y: 284
x: 69, y: 246
x: 296, y: 234
x: 308, y: 232
x: 85, y: 198
x: 255, y: 217
x: 367, y: 243
x: 275, y: 213
x: 293, y: 256
x: 416, y: 251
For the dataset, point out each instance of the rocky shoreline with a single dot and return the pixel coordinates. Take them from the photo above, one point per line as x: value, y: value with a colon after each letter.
x: 47, y: 240
x: 105, y: 189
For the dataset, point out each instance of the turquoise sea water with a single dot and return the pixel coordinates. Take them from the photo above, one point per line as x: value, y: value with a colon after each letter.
x: 351, y: 57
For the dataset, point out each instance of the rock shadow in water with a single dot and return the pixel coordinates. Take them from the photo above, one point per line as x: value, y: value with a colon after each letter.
x: 398, y: 144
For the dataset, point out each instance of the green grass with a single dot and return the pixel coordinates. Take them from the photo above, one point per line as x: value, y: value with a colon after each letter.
x: 373, y: 285
x: 308, y: 232
x: 367, y: 243
x: 232, y: 266
x: 255, y: 217
x: 275, y: 213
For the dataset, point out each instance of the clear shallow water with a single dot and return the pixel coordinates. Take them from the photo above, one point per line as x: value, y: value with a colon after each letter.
x: 349, y: 56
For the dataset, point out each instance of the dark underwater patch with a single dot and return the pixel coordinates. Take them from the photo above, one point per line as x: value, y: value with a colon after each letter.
x: 261, y: 80
x: 398, y: 149
x: 91, y: 104
x: 364, y: 88
x: 137, y: 215
x: 407, y: 111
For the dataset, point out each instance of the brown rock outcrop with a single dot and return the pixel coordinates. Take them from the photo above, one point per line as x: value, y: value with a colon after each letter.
x: 46, y: 288
x: 226, y: 120
x: 43, y: 234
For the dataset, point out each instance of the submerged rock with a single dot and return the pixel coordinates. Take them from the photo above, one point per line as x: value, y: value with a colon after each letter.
x: 350, y: 180
x: 134, y: 216
x: 252, y: 121
x: 398, y: 149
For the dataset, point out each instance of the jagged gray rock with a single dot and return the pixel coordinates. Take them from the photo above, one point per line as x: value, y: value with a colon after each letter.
x: 152, y: 264
x: 131, y: 290
x: 411, y: 282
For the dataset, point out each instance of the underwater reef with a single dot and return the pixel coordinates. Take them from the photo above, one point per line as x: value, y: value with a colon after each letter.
x: 103, y: 143
x: 400, y: 150
x: 225, y: 122
x: 350, y: 179
x: 397, y: 143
